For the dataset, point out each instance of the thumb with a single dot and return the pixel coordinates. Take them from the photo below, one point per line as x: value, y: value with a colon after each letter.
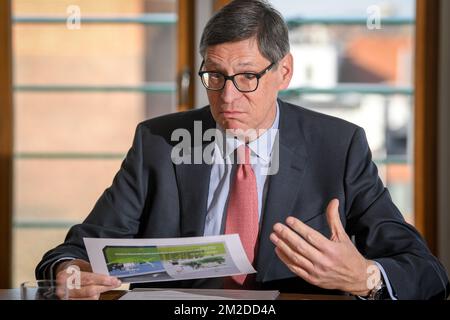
x: 334, y: 221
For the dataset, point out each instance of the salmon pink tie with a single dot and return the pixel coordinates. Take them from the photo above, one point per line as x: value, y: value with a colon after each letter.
x: 242, y: 212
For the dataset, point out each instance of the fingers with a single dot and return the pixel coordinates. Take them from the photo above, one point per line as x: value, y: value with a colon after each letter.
x: 89, y: 279
x: 90, y: 285
x: 292, y: 266
x: 334, y: 221
x: 312, y: 236
x: 292, y: 244
x: 295, y: 258
x: 91, y: 292
x: 334, y: 264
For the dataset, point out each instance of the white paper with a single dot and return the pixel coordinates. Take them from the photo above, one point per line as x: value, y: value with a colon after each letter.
x: 199, y: 294
x: 168, y: 295
x: 168, y: 259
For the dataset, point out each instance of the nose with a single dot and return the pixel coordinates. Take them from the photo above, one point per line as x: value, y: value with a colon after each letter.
x: 229, y: 92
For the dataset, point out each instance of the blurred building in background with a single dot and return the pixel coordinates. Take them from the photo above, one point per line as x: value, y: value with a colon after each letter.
x: 330, y: 57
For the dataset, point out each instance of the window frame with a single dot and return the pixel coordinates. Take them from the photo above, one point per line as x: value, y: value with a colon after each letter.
x: 426, y: 120
x: 6, y: 144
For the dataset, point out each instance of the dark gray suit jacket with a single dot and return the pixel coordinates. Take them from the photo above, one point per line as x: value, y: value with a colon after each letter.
x: 321, y: 158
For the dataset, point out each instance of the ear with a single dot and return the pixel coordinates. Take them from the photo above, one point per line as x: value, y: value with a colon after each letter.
x: 286, y: 69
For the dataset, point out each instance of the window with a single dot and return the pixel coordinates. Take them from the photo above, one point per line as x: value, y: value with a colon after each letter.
x: 85, y: 73
x: 357, y: 64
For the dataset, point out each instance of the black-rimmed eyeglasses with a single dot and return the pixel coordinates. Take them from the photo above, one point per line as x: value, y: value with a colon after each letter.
x: 244, y: 82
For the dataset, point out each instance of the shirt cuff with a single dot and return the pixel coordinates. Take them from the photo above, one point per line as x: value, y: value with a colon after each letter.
x: 387, y: 282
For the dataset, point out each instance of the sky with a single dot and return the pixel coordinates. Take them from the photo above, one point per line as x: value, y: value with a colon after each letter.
x: 339, y: 8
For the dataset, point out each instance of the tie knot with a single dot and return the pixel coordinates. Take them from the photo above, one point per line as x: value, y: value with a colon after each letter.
x: 243, y: 154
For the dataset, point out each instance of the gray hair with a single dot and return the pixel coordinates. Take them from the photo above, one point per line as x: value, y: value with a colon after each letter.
x: 244, y: 19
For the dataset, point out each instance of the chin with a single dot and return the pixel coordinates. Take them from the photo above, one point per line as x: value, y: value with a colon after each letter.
x: 232, y: 125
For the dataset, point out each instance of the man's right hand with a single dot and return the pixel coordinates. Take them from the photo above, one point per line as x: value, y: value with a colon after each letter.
x: 92, y: 284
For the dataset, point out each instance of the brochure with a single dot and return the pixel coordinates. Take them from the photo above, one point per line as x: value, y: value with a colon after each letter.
x: 168, y: 259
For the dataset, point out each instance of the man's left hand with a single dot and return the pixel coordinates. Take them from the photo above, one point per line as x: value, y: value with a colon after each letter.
x: 333, y: 263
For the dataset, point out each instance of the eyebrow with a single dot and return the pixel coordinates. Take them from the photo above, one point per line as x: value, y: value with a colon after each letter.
x: 213, y: 64
x: 246, y: 64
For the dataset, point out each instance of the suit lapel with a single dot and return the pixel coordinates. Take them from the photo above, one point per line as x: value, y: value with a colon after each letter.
x: 193, y: 184
x: 283, y: 187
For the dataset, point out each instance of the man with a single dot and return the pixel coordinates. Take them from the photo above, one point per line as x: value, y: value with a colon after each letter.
x: 296, y: 224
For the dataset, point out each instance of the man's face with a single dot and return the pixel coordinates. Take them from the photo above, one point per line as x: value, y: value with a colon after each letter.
x: 233, y: 109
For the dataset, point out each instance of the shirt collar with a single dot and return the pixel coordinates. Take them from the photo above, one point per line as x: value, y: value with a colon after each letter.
x: 261, y: 147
